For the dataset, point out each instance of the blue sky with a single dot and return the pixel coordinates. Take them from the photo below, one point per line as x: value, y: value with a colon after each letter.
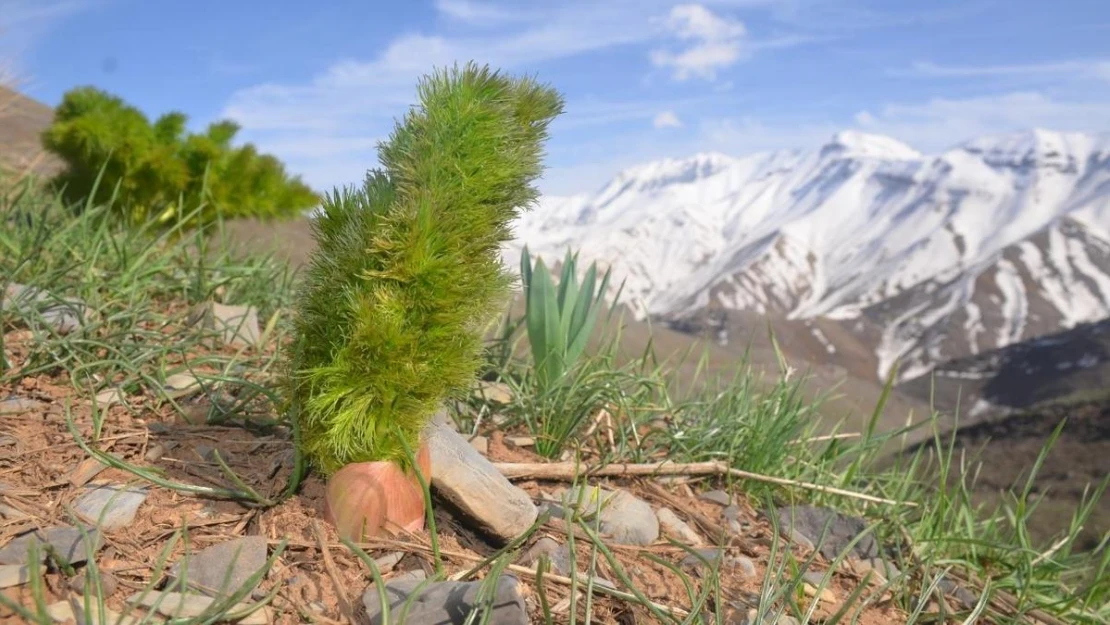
x: 319, y: 84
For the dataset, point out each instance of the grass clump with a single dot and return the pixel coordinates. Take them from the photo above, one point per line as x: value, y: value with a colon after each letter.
x: 407, y: 268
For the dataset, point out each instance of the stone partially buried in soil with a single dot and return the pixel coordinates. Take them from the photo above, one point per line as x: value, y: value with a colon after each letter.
x: 811, y: 522
x: 68, y: 542
x: 624, y: 517
x: 475, y: 487
x: 558, y: 555
x: 446, y: 602
x: 62, y: 314
x: 222, y: 569
x: 677, y: 529
x: 189, y: 605
x: 14, y: 575
x: 238, y: 325
x: 110, y: 506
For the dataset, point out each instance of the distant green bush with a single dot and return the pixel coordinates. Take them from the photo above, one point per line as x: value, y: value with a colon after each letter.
x: 158, y: 171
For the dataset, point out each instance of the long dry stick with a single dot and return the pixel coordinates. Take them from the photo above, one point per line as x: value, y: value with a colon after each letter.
x: 570, y: 470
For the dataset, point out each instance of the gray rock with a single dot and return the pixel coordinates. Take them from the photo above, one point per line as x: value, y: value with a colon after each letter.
x: 731, y: 513
x: 18, y: 405
x: 883, y: 570
x: 811, y: 522
x: 223, y: 569
x: 73, y: 611
x: 719, y: 497
x: 712, y: 555
x: 624, y: 518
x: 963, y: 596
x: 716, y: 556
x: 110, y: 506
x: 68, y: 542
x: 558, y: 555
x: 62, y: 314
x: 556, y: 510
x: 443, y: 603
x: 108, y: 583
x: 9, y: 513
x: 15, y: 575
x: 814, y: 578
x: 415, y: 575
x: 746, y: 566
x: 188, y: 605
x: 471, y: 483
x: 676, y: 528
x: 237, y: 325
x: 387, y: 562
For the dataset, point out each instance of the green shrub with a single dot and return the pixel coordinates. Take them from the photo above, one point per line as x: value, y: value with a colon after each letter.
x: 158, y: 171
x: 407, y: 269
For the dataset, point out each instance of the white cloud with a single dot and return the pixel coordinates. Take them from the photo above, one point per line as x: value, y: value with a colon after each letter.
x: 362, y: 97
x: 939, y: 123
x: 716, y: 42
x: 1098, y: 69
x: 666, y: 119
x: 478, y: 13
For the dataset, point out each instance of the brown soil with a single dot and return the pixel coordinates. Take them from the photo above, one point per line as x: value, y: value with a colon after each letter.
x: 40, y: 457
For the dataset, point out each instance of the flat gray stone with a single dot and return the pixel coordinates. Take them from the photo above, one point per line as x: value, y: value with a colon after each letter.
x: 746, y: 566
x: 712, y: 555
x: 18, y: 405
x: 415, y: 575
x: 237, y: 325
x: 15, y: 575
x: 962, y: 595
x: 188, y: 605
x: 73, y: 611
x: 624, y: 518
x: 719, y: 497
x: 811, y: 522
x: 67, y: 541
x: 443, y: 603
x: 731, y: 513
x: 558, y: 555
x: 62, y: 314
x: 110, y: 506
x: 470, y: 483
x: 815, y: 578
x: 223, y: 569
x: 883, y: 570
x: 108, y: 583
x: 677, y: 529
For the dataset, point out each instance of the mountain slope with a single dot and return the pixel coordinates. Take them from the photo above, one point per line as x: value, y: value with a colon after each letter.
x: 921, y: 258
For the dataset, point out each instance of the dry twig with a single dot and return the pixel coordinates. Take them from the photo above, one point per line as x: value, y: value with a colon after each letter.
x: 570, y: 470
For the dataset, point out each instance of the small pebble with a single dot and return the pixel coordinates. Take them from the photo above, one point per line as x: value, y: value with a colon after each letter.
x: 718, y: 497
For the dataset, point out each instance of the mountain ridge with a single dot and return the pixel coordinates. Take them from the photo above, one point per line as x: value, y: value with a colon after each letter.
x: 1007, y: 231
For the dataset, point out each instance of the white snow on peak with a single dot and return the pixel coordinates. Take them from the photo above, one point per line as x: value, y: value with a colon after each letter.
x: 862, y: 145
x: 852, y: 224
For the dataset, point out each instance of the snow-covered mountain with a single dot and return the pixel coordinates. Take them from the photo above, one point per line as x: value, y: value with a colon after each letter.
x: 923, y: 258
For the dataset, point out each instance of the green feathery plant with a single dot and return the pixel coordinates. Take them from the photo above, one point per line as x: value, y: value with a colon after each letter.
x: 407, y: 268
x: 156, y: 171
x: 559, y: 320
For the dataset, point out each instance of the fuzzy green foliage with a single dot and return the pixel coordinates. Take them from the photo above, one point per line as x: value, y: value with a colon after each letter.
x: 158, y: 171
x: 407, y: 269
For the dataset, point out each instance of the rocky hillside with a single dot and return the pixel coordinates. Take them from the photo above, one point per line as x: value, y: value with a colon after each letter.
x: 1074, y: 364
x: 875, y: 251
x: 22, y: 120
